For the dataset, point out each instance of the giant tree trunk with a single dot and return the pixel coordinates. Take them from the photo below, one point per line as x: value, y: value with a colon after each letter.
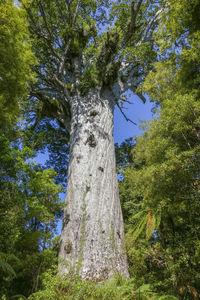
x: 93, y: 234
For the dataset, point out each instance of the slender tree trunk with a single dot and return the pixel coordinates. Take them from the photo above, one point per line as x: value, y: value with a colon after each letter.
x: 93, y: 234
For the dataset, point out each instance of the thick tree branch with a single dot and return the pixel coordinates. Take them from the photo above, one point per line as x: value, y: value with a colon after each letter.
x: 131, y: 26
x: 61, y: 84
x: 63, y: 59
x: 134, y: 13
x: 131, y: 81
x: 66, y: 48
x: 76, y: 13
x: 77, y: 73
x: 149, y: 26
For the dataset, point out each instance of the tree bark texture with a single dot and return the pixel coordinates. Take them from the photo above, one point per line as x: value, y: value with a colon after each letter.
x: 93, y: 234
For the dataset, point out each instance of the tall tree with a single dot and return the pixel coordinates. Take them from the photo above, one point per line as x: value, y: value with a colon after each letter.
x: 90, y: 53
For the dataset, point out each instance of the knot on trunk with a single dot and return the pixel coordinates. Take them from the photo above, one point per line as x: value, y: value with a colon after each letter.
x: 93, y: 113
x: 91, y: 141
x: 87, y: 188
x: 68, y: 246
x: 66, y: 220
x: 118, y: 233
x: 79, y: 158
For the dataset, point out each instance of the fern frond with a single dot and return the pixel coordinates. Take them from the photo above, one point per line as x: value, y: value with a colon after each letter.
x: 6, y: 268
x: 158, y: 218
x: 138, y: 215
x: 139, y: 227
x: 151, y: 225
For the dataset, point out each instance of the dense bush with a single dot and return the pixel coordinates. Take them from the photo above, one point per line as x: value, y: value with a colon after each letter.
x: 72, y: 287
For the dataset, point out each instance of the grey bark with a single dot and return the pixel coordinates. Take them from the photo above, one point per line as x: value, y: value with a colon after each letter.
x: 93, y: 235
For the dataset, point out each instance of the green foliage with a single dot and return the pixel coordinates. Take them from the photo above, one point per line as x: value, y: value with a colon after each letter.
x: 178, y: 40
x: 15, y: 62
x: 55, y: 143
x: 89, y: 79
x: 73, y: 287
x: 29, y: 204
x: 5, y: 266
x: 180, y: 20
x: 29, y: 197
x: 123, y: 153
x: 160, y: 192
x: 30, y: 209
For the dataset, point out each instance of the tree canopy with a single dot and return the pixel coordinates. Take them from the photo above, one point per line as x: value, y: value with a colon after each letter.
x: 86, y: 44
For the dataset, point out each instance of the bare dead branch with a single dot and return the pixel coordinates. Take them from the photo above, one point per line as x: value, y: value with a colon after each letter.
x: 47, y: 80
x: 127, y: 119
x: 141, y: 97
x: 45, y: 19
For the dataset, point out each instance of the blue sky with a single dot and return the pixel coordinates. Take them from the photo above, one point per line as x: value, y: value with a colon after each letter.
x: 136, y: 111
